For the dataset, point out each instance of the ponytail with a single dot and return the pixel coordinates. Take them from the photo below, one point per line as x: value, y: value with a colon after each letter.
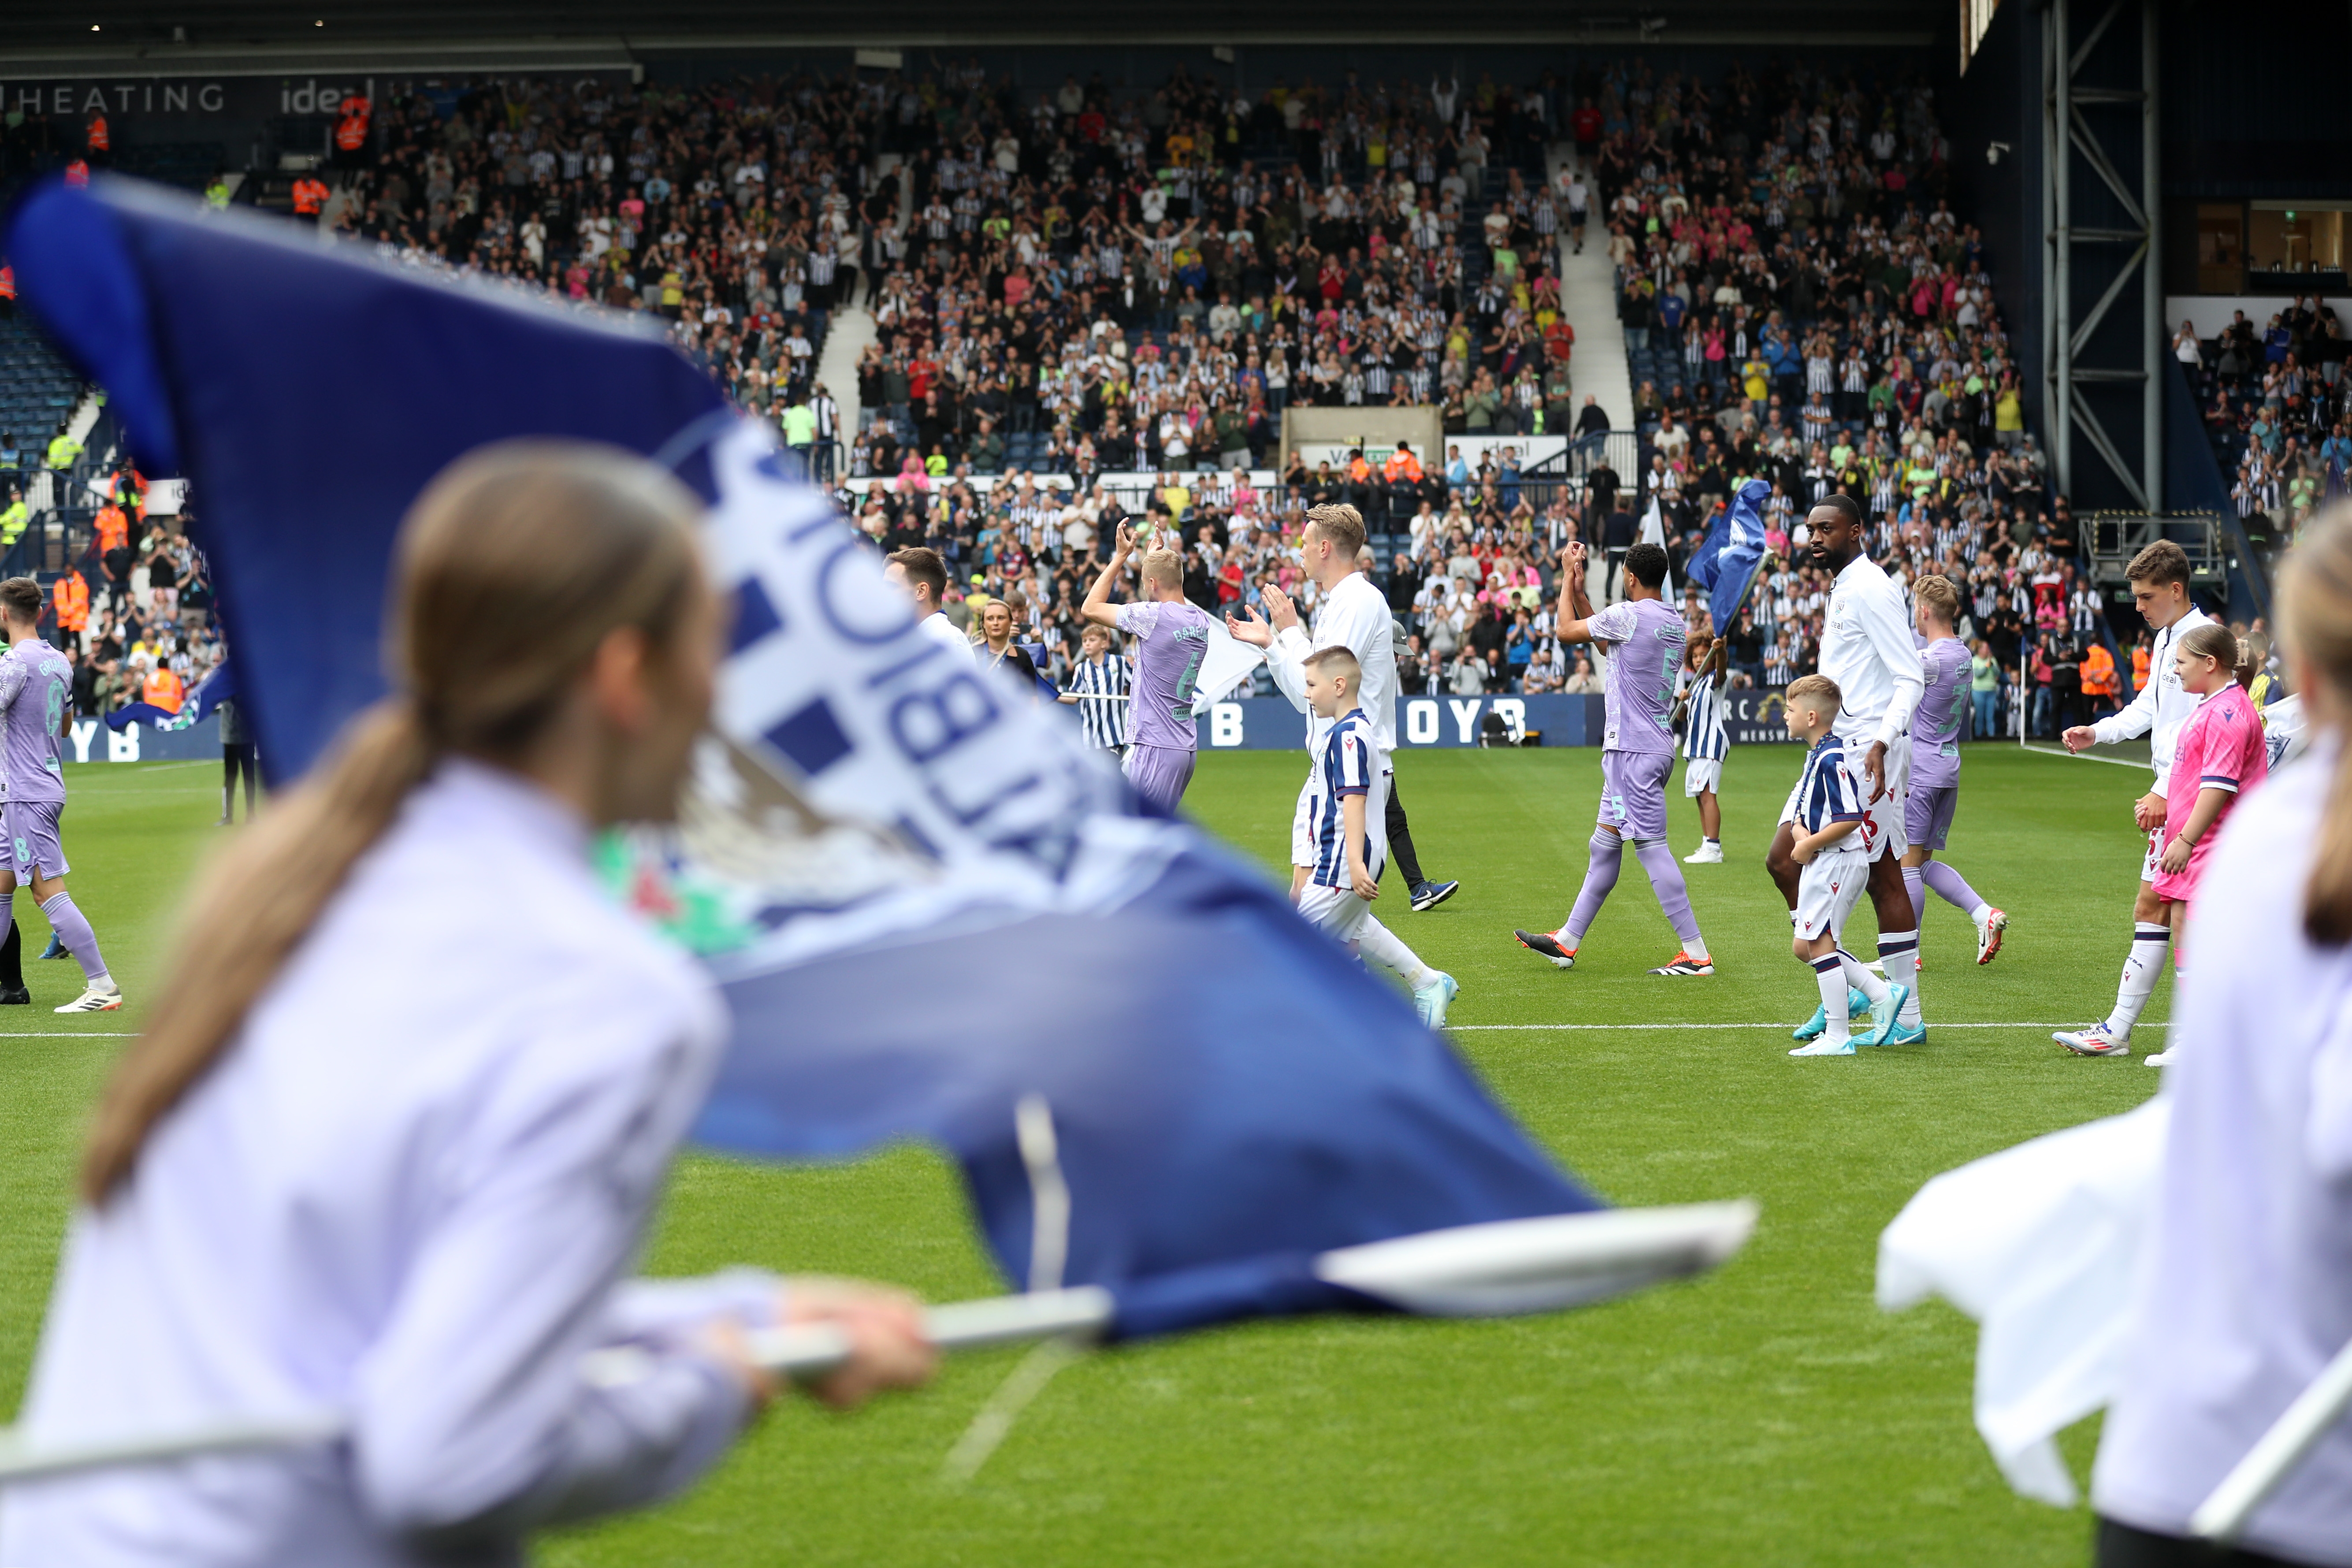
x: 510, y: 570
x: 2316, y: 596
x: 247, y: 918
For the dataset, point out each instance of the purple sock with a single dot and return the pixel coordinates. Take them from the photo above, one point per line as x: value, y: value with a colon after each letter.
x: 1599, y: 878
x: 1657, y: 857
x: 73, y: 930
x: 1918, y: 894
x: 1951, y: 887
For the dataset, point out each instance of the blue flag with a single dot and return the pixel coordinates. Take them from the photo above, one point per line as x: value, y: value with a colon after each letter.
x: 1727, y: 564
x: 216, y: 689
x: 934, y: 913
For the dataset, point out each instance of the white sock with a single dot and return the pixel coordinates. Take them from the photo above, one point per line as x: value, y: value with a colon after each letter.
x: 2149, y: 941
x: 1899, y: 952
x: 1976, y: 916
x: 1695, y: 947
x: 1379, y: 944
x: 1826, y: 970
x: 1858, y: 975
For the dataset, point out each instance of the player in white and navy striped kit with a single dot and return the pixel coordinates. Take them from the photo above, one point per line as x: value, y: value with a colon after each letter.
x: 1700, y: 694
x: 1833, y: 867
x: 1347, y: 786
x: 1101, y: 685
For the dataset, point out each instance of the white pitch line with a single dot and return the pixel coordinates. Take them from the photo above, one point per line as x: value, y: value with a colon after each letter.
x: 1685, y: 1028
x: 2086, y: 757
x: 69, y: 1034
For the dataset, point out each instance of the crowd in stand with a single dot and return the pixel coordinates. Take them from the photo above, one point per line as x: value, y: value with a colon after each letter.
x: 1800, y: 302
x: 135, y: 616
x: 1079, y: 282
x: 2278, y: 407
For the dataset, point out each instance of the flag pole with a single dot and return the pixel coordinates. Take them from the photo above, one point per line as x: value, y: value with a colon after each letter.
x: 801, y: 1353
x: 2222, y: 1516
x: 1500, y: 1267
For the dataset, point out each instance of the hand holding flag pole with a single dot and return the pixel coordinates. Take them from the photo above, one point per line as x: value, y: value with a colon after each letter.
x: 1475, y: 1270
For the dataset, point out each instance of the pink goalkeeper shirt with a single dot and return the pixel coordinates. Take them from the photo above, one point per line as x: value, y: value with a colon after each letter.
x: 2220, y: 747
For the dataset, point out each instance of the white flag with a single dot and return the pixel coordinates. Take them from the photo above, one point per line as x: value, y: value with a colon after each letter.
x: 1653, y: 531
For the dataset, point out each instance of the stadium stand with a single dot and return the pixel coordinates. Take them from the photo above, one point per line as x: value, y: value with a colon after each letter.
x: 1080, y: 305
x: 2278, y: 407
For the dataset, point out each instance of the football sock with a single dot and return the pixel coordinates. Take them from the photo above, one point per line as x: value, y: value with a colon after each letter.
x: 2140, y: 970
x: 1911, y: 880
x: 1858, y: 975
x: 1657, y: 859
x: 1599, y: 878
x: 1379, y: 944
x: 1953, y: 888
x: 12, y: 956
x: 79, y: 939
x: 1899, y: 952
x: 1832, y: 983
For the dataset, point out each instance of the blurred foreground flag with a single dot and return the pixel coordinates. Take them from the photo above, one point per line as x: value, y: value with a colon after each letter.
x: 1727, y: 563
x: 934, y: 913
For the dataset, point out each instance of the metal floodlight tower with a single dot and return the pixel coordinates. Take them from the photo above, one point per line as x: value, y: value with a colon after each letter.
x: 2113, y: 258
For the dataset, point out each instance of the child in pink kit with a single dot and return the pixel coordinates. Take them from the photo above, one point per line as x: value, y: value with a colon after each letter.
x: 2218, y: 755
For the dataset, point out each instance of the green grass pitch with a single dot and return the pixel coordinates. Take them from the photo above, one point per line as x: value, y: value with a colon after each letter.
x: 1768, y: 1415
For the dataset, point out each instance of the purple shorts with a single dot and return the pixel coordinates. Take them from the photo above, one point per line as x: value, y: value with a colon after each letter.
x: 1927, y: 815
x: 1634, y: 791
x: 1160, y: 773
x: 32, y: 847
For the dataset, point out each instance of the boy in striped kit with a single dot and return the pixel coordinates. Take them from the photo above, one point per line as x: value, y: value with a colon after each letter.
x: 1936, y: 725
x: 1833, y: 869
x: 1346, y: 831
x: 1345, y: 788
x: 1704, y: 743
x: 1100, y: 686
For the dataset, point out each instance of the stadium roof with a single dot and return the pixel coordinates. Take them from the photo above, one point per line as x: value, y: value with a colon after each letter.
x: 150, y: 36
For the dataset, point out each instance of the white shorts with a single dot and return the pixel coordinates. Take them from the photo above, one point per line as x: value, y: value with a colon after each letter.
x: 1701, y: 775
x: 1335, y: 909
x: 2155, y: 853
x: 1827, y: 887
x: 1883, y: 831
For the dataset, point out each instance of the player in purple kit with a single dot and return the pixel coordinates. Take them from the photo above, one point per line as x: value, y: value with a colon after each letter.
x: 1171, y: 637
x: 36, y: 690
x: 1640, y: 642
x: 1936, y: 725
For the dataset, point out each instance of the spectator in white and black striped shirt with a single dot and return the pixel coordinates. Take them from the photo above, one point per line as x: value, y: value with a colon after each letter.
x: 1100, y: 686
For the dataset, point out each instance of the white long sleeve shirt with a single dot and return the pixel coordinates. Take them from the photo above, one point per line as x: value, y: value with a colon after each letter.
x: 408, y: 1192
x: 1354, y: 613
x: 2247, y: 1289
x: 2160, y: 710
x: 1868, y: 649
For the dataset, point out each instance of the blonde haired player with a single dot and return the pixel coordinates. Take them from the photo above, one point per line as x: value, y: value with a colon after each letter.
x: 1832, y: 870
x: 1347, y: 836
x: 1935, y: 728
x: 1171, y: 637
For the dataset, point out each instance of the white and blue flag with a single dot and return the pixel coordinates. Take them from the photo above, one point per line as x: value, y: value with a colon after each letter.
x: 1728, y: 562
x: 928, y: 902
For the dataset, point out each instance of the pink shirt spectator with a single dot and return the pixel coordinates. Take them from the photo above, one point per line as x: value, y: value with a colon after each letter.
x: 2220, y: 747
